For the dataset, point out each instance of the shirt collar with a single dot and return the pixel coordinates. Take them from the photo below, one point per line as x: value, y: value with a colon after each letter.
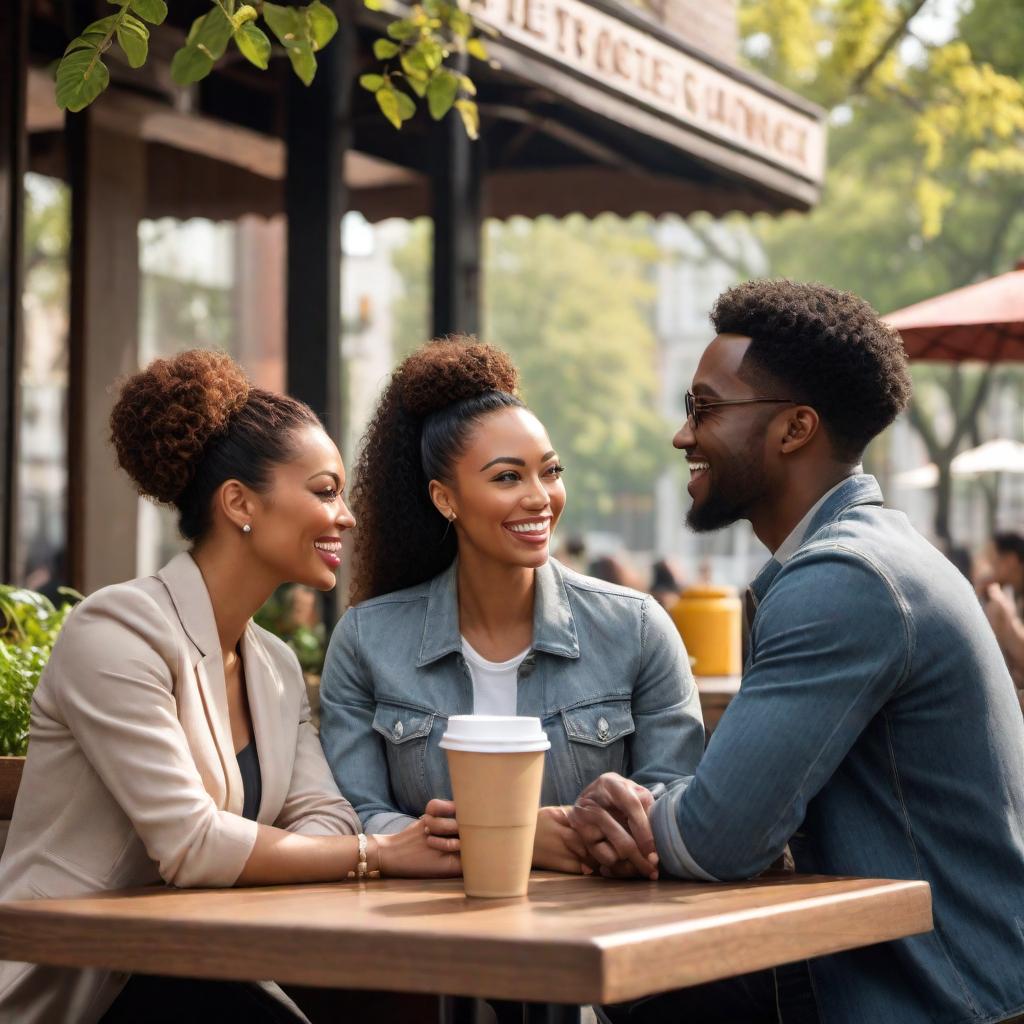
x: 554, y: 629
x: 858, y: 489
x: 788, y: 547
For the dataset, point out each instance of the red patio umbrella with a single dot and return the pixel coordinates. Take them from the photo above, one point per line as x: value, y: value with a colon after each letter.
x: 982, y: 321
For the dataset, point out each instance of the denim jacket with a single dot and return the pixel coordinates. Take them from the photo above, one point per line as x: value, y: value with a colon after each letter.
x: 878, y: 732
x: 607, y: 675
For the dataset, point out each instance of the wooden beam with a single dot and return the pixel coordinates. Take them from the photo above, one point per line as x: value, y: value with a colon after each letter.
x: 458, y: 229
x: 131, y: 114
x: 14, y: 17
x: 108, y: 193
x: 318, y: 136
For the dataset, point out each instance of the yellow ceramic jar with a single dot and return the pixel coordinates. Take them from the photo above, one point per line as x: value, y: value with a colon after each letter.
x: 710, y: 621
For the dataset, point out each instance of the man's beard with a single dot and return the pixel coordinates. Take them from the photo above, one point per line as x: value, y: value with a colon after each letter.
x: 724, y: 504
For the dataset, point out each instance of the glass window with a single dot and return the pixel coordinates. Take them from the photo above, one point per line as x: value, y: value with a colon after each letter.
x: 207, y: 284
x: 41, y: 549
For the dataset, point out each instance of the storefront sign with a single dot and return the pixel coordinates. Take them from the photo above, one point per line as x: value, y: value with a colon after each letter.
x: 636, y: 64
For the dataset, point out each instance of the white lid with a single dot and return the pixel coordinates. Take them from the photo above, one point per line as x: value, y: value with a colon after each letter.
x: 494, y: 734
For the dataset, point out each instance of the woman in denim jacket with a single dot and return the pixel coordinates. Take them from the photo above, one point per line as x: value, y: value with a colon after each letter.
x: 461, y: 610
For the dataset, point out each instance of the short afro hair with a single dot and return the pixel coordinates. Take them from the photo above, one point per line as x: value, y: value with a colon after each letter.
x: 825, y: 348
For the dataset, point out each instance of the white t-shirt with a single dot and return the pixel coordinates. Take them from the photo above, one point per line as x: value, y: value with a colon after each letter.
x: 494, y: 682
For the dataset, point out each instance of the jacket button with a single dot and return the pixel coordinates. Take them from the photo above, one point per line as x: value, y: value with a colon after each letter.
x: 602, y: 728
x: 398, y: 730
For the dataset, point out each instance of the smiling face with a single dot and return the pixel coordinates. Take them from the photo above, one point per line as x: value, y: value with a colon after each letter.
x: 507, y: 492
x: 727, y: 455
x: 297, y: 524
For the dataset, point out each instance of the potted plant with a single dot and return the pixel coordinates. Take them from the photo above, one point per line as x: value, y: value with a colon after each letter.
x: 29, y: 624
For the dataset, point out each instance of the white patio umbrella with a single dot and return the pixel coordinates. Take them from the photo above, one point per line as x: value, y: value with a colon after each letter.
x: 918, y: 479
x: 999, y: 456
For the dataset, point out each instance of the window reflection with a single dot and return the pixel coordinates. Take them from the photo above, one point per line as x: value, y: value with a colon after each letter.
x: 41, y: 550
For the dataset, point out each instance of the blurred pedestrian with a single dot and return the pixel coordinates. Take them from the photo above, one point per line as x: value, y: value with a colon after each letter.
x: 615, y: 569
x: 667, y: 582
x: 1001, y: 589
x: 574, y: 553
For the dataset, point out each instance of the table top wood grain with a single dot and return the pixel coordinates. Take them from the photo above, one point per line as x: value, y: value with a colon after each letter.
x: 571, y: 940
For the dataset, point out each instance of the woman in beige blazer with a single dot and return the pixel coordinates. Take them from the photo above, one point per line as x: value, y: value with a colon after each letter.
x: 170, y: 737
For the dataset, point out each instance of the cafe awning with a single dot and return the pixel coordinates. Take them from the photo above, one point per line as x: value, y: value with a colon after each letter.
x: 590, y: 108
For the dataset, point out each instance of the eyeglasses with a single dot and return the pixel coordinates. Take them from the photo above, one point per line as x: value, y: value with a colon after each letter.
x: 694, y: 411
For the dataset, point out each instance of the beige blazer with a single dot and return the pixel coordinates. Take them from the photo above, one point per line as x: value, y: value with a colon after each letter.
x: 131, y: 777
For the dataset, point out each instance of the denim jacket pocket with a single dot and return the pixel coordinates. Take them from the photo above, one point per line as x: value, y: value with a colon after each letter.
x: 597, y: 737
x: 406, y: 732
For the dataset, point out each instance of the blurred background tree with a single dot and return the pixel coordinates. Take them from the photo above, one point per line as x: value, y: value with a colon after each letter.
x: 925, y: 189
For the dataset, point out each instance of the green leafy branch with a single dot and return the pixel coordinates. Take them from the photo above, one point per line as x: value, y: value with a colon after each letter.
x: 81, y: 73
x: 421, y: 43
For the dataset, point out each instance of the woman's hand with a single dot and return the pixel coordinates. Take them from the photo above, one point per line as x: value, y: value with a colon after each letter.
x: 557, y: 846
x: 410, y: 854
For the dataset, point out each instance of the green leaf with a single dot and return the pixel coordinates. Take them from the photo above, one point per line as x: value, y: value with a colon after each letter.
x: 373, y: 5
x: 284, y: 22
x: 213, y: 34
x: 467, y: 84
x: 371, y: 83
x: 476, y: 48
x: 153, y: 11
x: 441, y: 93
x: 81, y: 77
x: 418, y: 86
x: 254, y: 45
x: 470, y: 114
x: 86, y: 41
x: 190, y: 64
x: 322, y: 24
x: 387, y: 100
x: 406, y: 105
x: 414, y: 66
x: 135, y: 46
x: 303, y: 62
x: 432, y: 53
x: 384, y: 48
x: 460, y: 23
x: 402, y: 30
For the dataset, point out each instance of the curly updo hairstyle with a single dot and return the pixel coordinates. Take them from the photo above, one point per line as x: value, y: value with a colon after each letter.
x: 825, y: 348
x: 421, y: 427
x: 184, y: 425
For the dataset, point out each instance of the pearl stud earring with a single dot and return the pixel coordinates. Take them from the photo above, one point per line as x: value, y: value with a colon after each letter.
x: 247, y: 528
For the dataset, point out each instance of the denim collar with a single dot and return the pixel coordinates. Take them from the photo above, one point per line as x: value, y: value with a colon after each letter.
x: 554, y: 630
x: 860, y: 489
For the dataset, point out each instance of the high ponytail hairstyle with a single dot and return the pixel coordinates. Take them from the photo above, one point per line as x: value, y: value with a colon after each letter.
x: 422, y: 425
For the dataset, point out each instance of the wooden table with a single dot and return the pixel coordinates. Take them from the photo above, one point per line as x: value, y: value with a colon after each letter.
x: 573, y: 940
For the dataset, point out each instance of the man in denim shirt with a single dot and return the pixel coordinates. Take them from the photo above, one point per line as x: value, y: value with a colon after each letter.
x: 876, y: 731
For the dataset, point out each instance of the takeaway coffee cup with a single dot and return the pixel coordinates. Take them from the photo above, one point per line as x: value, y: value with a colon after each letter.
x: 496, y: 765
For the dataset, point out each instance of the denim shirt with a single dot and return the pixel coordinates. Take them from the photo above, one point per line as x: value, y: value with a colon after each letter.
x: 607, y: 675
x: 877, y: 731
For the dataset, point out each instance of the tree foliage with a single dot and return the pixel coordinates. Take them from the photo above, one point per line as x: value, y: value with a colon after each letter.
x: 416, y: 54
x: 925, y: 187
